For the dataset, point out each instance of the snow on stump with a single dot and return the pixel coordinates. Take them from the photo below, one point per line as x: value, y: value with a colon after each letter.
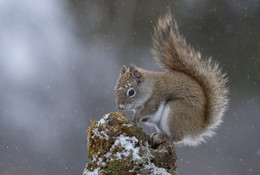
x: 118, y: 146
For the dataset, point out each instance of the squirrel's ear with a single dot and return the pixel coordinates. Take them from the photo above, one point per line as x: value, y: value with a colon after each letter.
x: 136, y: 74
x: 123, y: 69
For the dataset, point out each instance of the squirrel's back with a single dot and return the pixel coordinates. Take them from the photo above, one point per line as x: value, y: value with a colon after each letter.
x: 173, y: 53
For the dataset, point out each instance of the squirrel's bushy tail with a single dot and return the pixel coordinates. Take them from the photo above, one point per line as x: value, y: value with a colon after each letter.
x: 173, y: 53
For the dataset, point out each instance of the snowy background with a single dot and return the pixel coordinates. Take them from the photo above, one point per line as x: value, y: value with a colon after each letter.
x: 59, y: 61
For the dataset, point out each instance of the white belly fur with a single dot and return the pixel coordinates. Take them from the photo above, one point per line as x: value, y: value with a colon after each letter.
x: 164, y: 123
x: 160, y: 118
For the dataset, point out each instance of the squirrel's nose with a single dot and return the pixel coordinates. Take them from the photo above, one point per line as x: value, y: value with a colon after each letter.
x: 121, y: 107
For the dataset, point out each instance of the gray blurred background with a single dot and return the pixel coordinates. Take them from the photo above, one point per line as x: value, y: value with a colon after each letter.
x: 59, y: 61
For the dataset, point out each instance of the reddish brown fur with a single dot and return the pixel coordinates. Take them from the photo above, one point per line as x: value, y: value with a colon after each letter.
x: 173, y: 53
x: 192, y: 88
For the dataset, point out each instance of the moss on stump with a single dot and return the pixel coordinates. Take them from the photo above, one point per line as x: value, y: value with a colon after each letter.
x: 118, y: 146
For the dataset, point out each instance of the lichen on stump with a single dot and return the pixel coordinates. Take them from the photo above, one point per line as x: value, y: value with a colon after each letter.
x: 118, y: 146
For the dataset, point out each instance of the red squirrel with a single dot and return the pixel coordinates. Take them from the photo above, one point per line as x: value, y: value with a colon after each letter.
x: 186, y: 102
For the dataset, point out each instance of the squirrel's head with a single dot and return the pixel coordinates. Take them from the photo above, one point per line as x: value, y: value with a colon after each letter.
x: 129, y: 89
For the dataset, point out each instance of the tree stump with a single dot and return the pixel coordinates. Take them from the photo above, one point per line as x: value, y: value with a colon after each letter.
x: 117, y: 145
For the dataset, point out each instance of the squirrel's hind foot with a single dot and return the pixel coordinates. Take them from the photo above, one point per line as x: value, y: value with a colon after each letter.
x: 159, y: 138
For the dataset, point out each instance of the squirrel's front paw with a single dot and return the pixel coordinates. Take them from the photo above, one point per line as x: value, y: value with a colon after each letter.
x: 159, y: 138
x: 135, y: 120
x: 138, y: 117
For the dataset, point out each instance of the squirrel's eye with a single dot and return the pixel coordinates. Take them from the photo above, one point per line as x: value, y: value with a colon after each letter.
x: 131, y: 92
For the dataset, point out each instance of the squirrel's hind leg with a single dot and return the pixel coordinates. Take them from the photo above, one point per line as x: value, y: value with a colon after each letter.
x: 185, y: 119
